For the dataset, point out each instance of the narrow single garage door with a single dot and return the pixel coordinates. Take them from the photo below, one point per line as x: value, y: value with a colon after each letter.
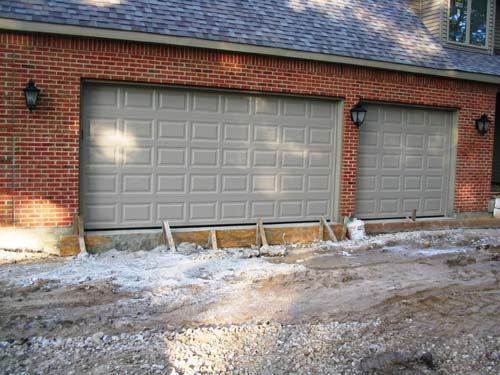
x: 403, y: 162
x: 203, y: 157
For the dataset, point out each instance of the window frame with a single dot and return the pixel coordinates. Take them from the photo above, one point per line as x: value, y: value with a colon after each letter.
x: 467, y: 43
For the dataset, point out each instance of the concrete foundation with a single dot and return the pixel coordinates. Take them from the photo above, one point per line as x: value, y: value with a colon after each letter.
x: 33, y: 239
x: 61, y: 241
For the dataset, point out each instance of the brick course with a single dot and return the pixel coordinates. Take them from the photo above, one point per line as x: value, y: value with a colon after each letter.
x: 40, y: 188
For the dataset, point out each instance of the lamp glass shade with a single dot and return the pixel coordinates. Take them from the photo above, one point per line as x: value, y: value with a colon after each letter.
x: 31, y: 93
x: 483, y: 124
x: 358, y: 113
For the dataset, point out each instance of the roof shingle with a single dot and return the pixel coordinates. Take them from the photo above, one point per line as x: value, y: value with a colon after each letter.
x: 381, y: 30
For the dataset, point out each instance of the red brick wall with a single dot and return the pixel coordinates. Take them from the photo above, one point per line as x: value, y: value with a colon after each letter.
x: 45, y: 188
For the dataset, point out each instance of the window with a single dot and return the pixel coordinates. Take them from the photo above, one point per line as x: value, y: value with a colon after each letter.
x: 467, y: 22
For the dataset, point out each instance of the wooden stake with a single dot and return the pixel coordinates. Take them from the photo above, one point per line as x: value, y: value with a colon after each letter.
x: 344, y: 228
x: 328, y: 229
x: 261, y: 234
x: 81, y: 238
x: 167, y: 236
x: 321, y: 230
x: 212, y: 239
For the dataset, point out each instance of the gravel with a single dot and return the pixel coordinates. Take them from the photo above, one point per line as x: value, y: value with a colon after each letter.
x: 257, y: 348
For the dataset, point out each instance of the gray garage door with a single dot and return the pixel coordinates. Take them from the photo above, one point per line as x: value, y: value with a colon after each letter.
x: 203, y: 157
x: 403, y: 162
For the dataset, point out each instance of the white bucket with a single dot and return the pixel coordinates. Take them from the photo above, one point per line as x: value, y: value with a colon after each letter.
x: 497, y: 202
x: 496, y: 213
x: 356, y: 229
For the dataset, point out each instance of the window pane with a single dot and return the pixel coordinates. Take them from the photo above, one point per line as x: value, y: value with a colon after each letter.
x: 479, y: 10
x: 458, y: 21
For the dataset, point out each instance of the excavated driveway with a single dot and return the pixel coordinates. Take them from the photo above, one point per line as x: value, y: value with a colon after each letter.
x: 407, y: 303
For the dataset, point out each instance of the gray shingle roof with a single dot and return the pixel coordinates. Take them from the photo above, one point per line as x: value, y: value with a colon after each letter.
x: 382, y: 30
x: 474, y: 62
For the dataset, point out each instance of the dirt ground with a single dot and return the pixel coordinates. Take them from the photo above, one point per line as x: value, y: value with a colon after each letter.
x: 414, y: 303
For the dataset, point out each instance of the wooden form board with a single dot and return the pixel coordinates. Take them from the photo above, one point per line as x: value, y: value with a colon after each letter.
x: 244, y: 237
x: 247, y: 236
x: 74, y: 244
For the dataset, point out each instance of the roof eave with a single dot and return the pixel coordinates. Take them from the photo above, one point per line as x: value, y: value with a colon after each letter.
x: 92, y: 32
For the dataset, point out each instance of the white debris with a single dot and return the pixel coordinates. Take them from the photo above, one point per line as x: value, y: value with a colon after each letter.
x: 9, y: 256
x: 161, y: 272
x: 431, y: 252
x: 273, y: 251
x: 439, y: 239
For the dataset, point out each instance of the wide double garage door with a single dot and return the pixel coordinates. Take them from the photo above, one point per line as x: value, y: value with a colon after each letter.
x: 204, y: 157
x: 404, y: 162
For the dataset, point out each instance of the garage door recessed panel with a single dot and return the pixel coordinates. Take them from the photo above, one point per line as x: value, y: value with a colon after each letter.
x: 172, y: 157
x: 173, y: 100
x: 173, y: 212
x: 172, y: 130
x: 236, y: 132
x: 133, y: 183
x: 171, y: 183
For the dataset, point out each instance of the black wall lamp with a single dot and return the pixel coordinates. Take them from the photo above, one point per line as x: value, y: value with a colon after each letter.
x: 483, y: 124
x: 31, y: 93
x: 358, y: 113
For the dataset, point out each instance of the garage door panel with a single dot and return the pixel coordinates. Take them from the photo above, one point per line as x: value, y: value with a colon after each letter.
x: 389, y: 206
x: 267, y: 106
x: 321, y: 111
x: 411, y: 204
x: 413, y: 183
x: 393, y: 116
x: 416, y: 119
x: 137, y: 183
x: 205, y: 211
x: 201, y: 157
x: 171, y: 211
x: 101, y: 183
x: 405, y: 169
x: 291, y: 209
x: 234, y: 210
x: 104, y: 96
x: 172, y: 130
x: 291, y: 134
x: 367, y: 183
x: 236, y: 132
x: 237, y: 104
x: 392, y: 140
x: 265, y: 158
x: 319, y: 183
x: 205, y: 102
x: 209, y: 157
x: 171, y: 183
x: 101, y: 213
x: 414, y: 162
x: 438, y: 120
x: 320, y: 136
x: 133, y: 213
x: 368, y: 138
x: 295, y: 183
x: 232, y: 158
